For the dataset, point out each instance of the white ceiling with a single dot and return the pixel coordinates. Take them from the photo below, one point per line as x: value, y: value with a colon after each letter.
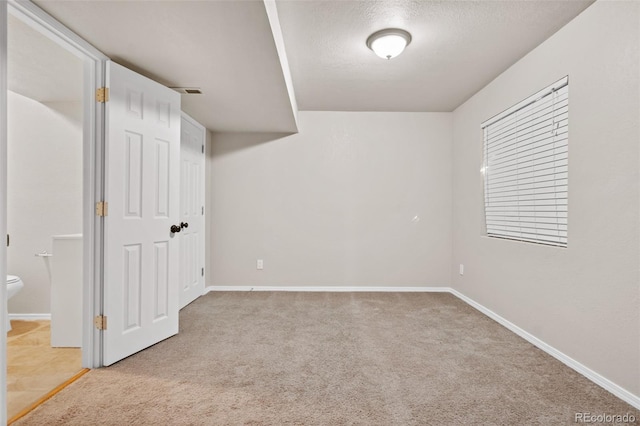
x: 226, y: 48
x: 39, y: 68
x: 230, y: 50
x: 457, y: 48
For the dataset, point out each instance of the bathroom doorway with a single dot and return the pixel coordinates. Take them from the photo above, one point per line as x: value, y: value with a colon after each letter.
x: 44, y: 215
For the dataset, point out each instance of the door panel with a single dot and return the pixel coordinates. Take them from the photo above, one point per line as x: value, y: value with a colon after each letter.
x: 191, y: 210
x: 141, y: 293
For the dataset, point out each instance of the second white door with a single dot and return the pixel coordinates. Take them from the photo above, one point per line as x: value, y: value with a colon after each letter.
x: 192, y: 141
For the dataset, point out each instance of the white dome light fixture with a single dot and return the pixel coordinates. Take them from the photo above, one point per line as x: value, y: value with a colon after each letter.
x: 388, y: 43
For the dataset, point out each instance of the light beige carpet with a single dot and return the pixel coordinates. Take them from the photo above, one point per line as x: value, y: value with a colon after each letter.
x: 332, y: 359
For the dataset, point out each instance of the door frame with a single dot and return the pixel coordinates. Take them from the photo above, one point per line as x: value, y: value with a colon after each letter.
x: 3, y: 207
x: 93, y: 173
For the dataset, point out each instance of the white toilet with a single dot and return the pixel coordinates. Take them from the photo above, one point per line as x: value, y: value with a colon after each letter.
x: 14, y: 285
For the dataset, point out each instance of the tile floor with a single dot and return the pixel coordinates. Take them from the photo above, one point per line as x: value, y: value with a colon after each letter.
x: 34, y: 368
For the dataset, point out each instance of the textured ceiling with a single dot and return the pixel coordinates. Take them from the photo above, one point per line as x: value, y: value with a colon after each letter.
x: 457, y: 48
x: 226, y: 48
x: 40, y: 69
x: 230, y: 50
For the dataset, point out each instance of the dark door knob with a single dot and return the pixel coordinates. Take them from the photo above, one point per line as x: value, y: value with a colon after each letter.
x: 184, y: 225
x: 175, y: 228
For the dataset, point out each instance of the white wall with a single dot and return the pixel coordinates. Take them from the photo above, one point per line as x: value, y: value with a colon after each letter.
x: 334, y: 205
x: 583, y: 300
x: 45, y: 190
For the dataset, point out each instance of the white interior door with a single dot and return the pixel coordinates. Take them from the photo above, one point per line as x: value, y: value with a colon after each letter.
x: 142, y: 184
x: 191, y: 210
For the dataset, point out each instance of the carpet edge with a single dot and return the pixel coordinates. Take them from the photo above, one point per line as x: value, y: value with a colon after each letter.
x: 48, y: 396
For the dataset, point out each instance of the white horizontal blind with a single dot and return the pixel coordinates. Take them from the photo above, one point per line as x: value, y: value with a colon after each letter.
x: 526, y: 169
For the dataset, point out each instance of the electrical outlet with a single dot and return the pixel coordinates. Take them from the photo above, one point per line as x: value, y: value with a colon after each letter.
x: 260, y: 264
x: 461, y: 269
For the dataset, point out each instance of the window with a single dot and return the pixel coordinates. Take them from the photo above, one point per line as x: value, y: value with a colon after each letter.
x: 526, y: 168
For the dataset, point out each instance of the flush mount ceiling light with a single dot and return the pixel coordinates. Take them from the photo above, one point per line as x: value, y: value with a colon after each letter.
x: 388, y: 43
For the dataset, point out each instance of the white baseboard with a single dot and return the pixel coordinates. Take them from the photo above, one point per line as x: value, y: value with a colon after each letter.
x: 330, y: 289
x: 596, y: 378
x: 30, y: 317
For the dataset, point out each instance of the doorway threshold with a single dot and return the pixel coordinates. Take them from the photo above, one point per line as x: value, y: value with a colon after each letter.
x: 48, y: 396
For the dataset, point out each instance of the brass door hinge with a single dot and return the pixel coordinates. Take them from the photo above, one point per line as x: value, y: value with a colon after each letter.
x: 100, y: 321
x: 102, y: 208
x: 102, y: 94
